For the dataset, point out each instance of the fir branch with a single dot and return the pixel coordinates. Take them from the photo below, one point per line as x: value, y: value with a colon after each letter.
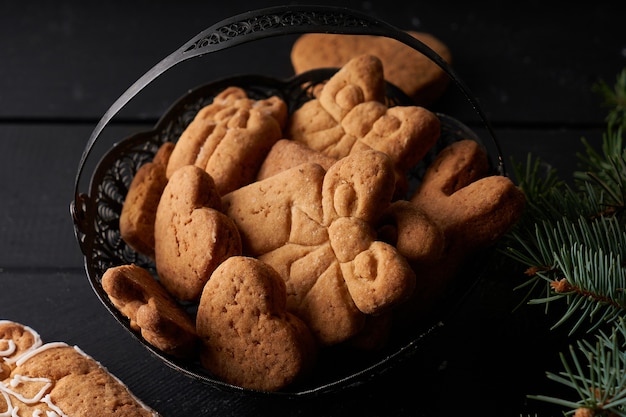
x: 614, y: 99
x: 600, y: 383
x: 594, y: 287
x: 606, y: 171
x: 580, y: 262
x: 572, y: 241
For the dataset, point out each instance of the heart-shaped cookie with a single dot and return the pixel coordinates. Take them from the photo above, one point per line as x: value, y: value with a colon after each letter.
x: 191, y: 236
x: 249, y: 339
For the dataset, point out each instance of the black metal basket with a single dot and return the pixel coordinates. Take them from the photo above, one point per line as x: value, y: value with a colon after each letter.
x: 96, y: 213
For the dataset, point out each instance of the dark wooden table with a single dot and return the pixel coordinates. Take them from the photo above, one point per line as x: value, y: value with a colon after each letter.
x: 62, y: 64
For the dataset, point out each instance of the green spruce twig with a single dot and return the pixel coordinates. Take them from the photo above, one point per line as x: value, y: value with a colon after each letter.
x: 572, y: 243
x: 594, y: 372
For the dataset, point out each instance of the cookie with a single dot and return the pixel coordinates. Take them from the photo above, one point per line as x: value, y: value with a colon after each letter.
x: 151, y: 310
x: 139, y: 209
x: 350, y: 116
x: 471, y: 207
x: 15, y: 340
x: 286, y: 154
x: 249, y: 338
x: 230, y: 137
x: 408, y: 69
x: 405, y: 226
x: 468, y: 204
x: 316, y: 228
x: 56, y: 379
x: 192, y: 237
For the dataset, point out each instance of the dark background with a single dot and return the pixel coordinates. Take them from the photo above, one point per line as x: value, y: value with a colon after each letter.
x: 62, y: 64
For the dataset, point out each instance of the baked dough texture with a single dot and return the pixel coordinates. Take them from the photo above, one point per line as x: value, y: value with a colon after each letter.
x: 408, y: 69
x: 151, y: 310
x: 249, y: 338
x: 55, y: 379
x: 230, y: 137
x: 350, y: 116
x: 139, y: 209
x: 192, y: 236
x: 315, y: 227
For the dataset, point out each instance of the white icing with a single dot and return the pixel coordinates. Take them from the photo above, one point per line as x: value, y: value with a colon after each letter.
x: 7, y: 400
x: 57, y: 412
x: 10, y: 347
x: 42, y: 396
x: 9, y: 391
x: 11, y: 344
x: 27, y: 355
x: 18, y: 380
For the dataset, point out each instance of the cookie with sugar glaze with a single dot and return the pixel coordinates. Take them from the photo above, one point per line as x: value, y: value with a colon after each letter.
x: 56, y: 379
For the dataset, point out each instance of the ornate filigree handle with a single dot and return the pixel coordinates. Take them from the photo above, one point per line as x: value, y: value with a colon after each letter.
x: 269, y: 22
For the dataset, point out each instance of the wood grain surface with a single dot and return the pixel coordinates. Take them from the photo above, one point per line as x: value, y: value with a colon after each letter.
x: 62, y: 64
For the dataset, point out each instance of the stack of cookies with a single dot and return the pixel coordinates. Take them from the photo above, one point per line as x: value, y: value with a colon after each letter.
x: 297, y: 232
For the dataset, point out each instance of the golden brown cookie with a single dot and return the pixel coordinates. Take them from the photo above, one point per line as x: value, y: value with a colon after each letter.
x: 55, y: 379
x: 286, y: 154
x: 192, y: 236
x: 151, y: 310
x: 15, y: 340
x: 249, y: 338
x: 280, y: 209
x: 472, y: 209
x: 350, y: 116
x: 316, y: 229
x: 468, y: 204
x: 230, y: 137
x: 405, y: 67
x: 139, y: 208
x: 405, y: 226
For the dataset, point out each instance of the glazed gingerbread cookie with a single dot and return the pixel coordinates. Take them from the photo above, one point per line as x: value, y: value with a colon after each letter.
x: 55, y: 379
x: 249, y: 338
x: 15, y: 340
x: 315, y: 227
x: 408, y: 69
x: 151, y: 310
x: 192, y: 236
x: 230, y: 137
x: 350, y: 116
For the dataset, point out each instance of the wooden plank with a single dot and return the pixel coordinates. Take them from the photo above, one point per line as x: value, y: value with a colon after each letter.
x: 534, y: 63
x: 38, y: 165
x: 465, y: 359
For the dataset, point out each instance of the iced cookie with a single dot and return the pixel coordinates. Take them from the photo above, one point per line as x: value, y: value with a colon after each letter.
x: 55, y: 379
